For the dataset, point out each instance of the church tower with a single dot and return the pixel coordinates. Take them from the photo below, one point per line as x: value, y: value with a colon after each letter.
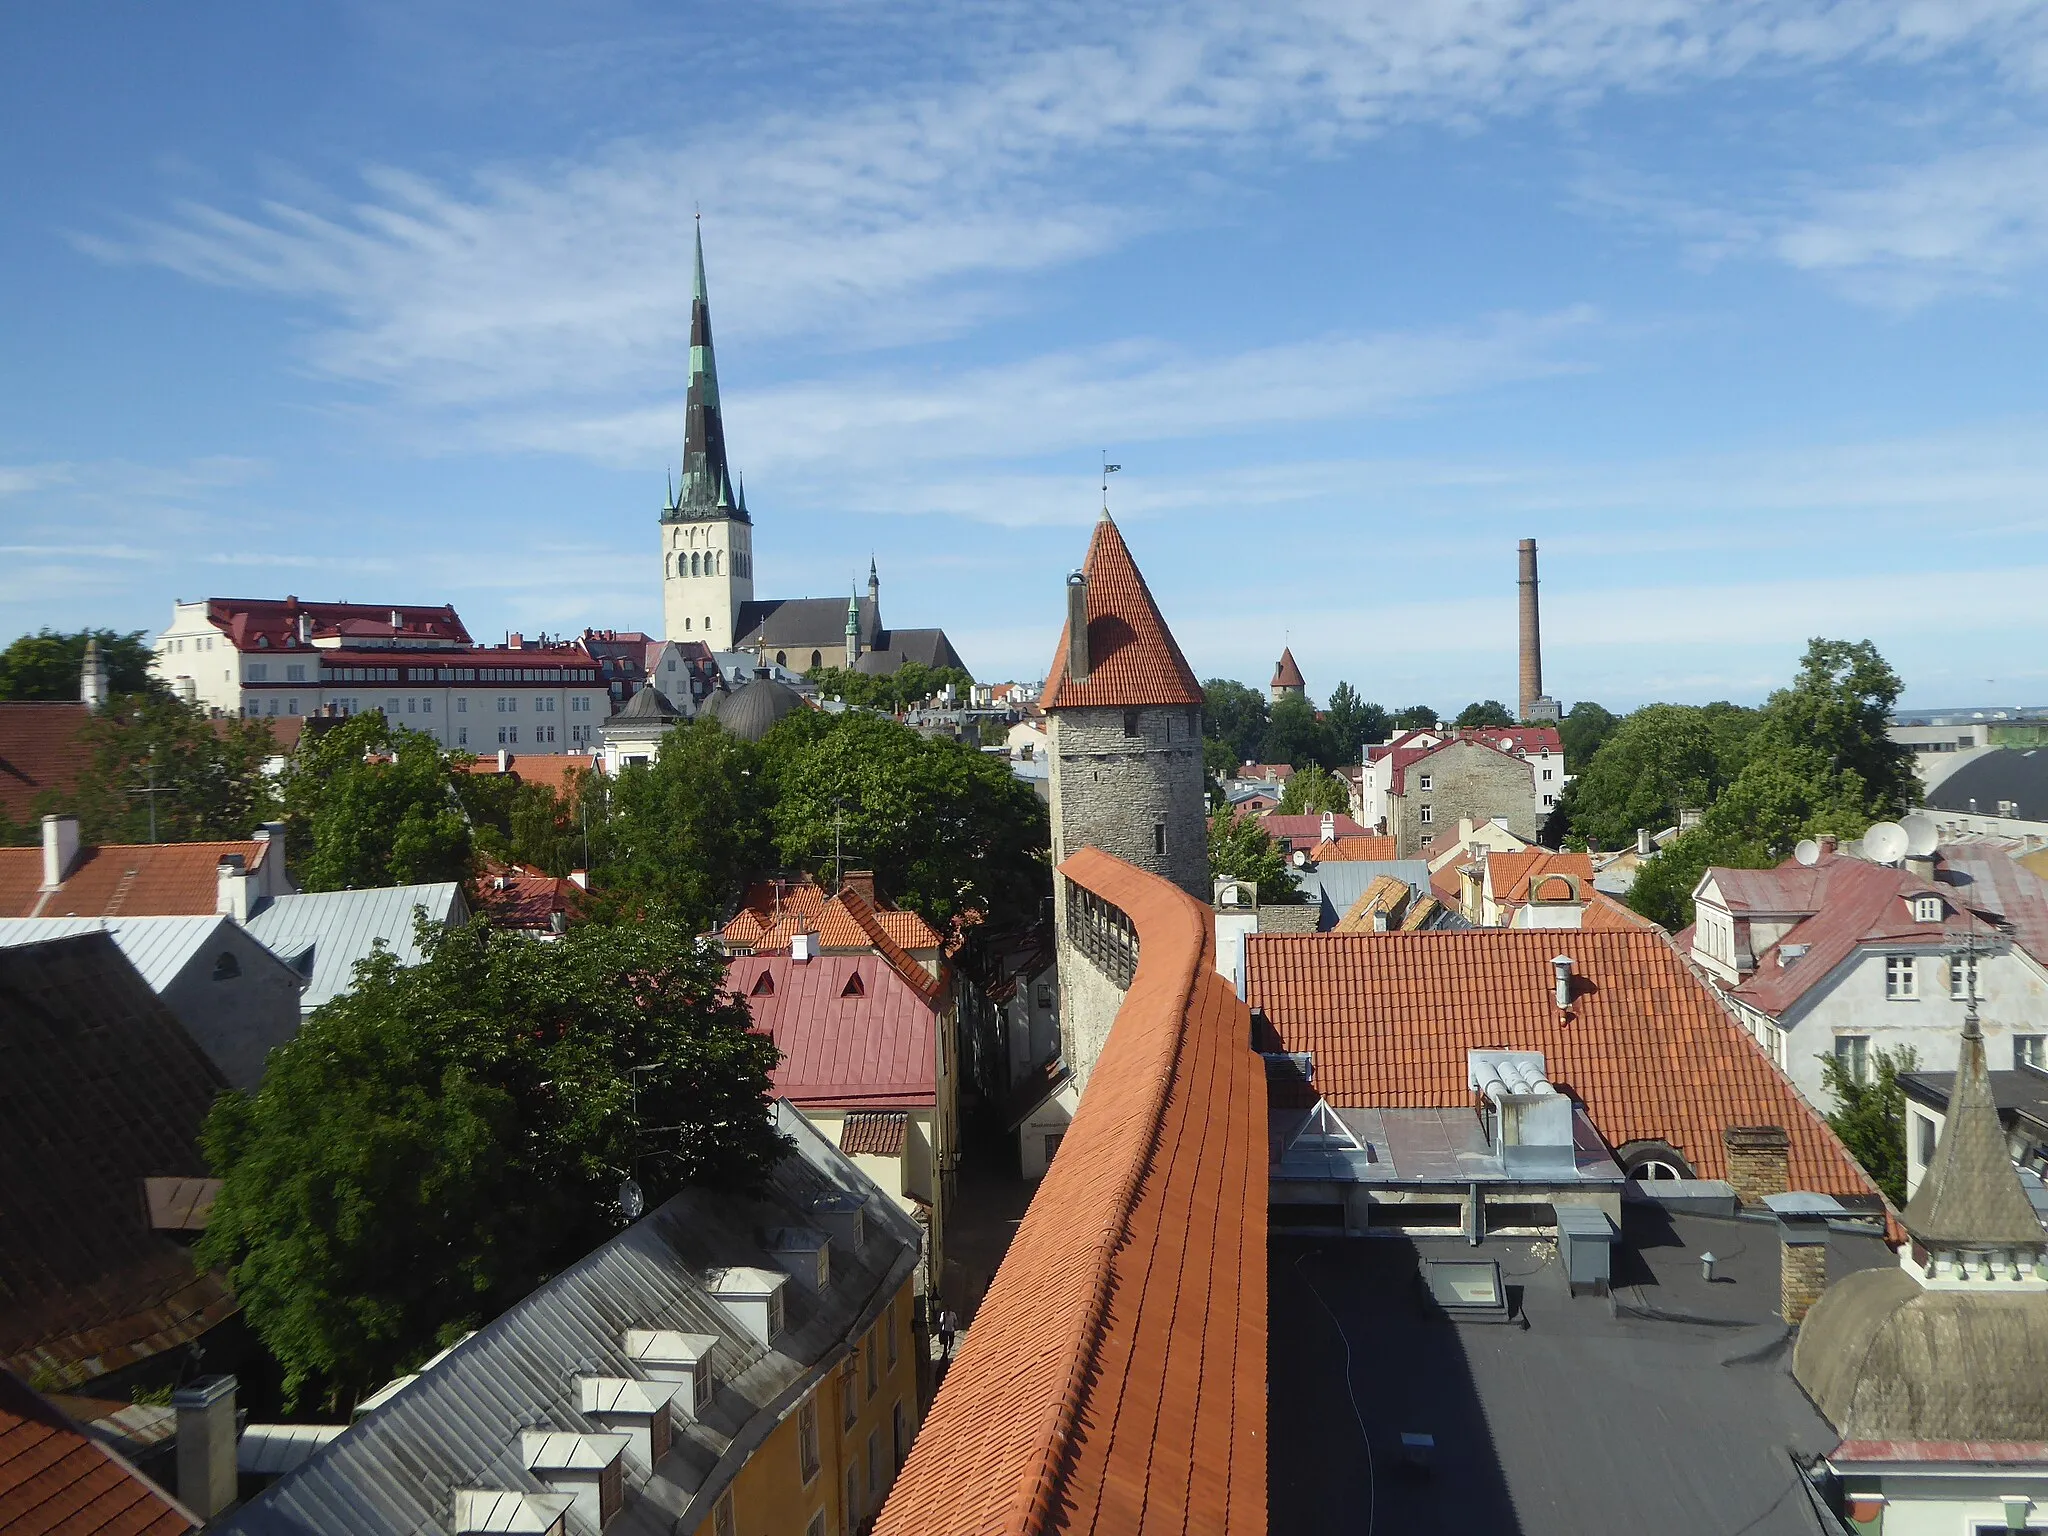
x: 707, y: 546
x: 1124, y: 733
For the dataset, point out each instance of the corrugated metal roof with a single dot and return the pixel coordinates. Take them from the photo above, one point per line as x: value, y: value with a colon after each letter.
x: 342, y: 927
x: 159, y: 947
x: 851, y: 1030
x: 459, y: 1425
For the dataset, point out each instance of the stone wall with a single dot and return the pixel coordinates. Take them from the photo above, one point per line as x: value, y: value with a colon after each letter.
x: 1089, y: 1001
x: 1111, y: 789
x: 1465, y: 779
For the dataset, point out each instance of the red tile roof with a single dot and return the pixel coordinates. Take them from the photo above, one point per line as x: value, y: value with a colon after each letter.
x: 103, y: 1089
x: 42, y: 750
x: 55, y: 1480
x: 123, y: 880
x: 1354, y: 850
x: 1647, y: 1048
x: 244, y: 620
x: 1115, y: 1376
x: 1287, y: 674
x: 874, y: 1132
x: 1853, y: 904
x: 772, y: 913
x: 1132, y: 655
x: 1513, y: 874
x: 1603, y: 911
x: 852, y: 1032
x: 562, y: 772
x: 515, y: 897
x: 1307, y: 831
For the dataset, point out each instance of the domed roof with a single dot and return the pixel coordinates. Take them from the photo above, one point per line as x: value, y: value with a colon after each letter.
x: 752, y: 711
x: 1885, y: 1358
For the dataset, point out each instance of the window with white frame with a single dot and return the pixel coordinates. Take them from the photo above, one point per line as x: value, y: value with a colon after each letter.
x: 1425, y: 816
x: 1774, y: 1045
x: 2030, y: 1051
x: 1901, y: 978
x: 1852, y: 1055
x: 1964, y: 981
x: 462, y: 736
x: 1422, y: 782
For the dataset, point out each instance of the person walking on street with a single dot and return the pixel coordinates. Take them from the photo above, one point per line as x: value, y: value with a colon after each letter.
x: 948, y: 1326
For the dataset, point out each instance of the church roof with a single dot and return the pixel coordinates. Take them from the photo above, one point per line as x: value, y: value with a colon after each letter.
x: 802, y: 623
x: 927, y: 647
x: 753, y: 711
x: 649, y: 704
x: 1287, y: 674
x: 1133, y: 658
x: 1971, y: 1195
x: 707, y: 487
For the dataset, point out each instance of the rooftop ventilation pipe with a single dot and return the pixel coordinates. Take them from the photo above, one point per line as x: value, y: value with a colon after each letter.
x: 60, y: 849
x: 1562, y: 964
x: 1078, y: 663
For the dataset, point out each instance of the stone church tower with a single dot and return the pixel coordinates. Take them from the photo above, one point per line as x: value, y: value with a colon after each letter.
x: 1124, y: 731
x: 707, y: 545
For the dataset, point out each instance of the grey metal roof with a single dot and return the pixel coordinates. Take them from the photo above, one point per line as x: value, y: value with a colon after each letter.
x: 159, y: 947
x: 340, y: 928
x: 458, y: 1425
x: 752, y: 711
x: 1668, y: 1407
x: 1337, y: 885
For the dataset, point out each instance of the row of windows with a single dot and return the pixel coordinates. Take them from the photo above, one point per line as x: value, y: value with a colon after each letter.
x: 543, y: 735
x: 1902, y: 978
x: 179, y: 647
x: 710, y: 562
x: 295, y: 672
x: 1852, y: 1054
x: 861, y: 1369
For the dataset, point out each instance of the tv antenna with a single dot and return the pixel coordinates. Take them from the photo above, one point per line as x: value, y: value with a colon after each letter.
x: 151, y: 791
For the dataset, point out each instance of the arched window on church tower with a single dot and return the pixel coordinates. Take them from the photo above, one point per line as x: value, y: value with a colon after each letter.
x: 694, y: 569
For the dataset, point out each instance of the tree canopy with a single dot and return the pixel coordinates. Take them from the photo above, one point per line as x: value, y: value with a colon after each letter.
x: 445, y: 1136
x: 1488, y: 712
x: 1236, y: 716
x: 1416, y: 717
x: 912, y: 683
x: 1661, y: 759
x: 1241, y: 849
x: 48, y: 667
x: 1583, y: 729
x: 1355, y: 724
x: 1294, y: 734
x: 1312, y: 791
x: 684, y: 832
x: 1818, y: 760
x: 1870, y: 1117
x: 372, y: 804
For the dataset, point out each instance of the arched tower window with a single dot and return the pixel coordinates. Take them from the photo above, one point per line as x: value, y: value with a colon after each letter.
x: 694, y: 568
x: 718, y: 560
x: 817, y: 659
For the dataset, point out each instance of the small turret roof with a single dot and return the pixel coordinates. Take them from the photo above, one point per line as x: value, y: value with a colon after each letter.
x: 650, y: 703
x: 1971, y: 1195
x: 1133, y: 657
x: 1287, y: 674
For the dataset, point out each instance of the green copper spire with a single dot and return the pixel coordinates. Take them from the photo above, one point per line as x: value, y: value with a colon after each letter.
x: 853, y: 613
x: 707, y: 488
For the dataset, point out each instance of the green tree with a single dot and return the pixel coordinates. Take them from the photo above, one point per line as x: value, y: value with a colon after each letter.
x: 1296, y: 735
x: 1312, y: 791
x: 1355, y: 723
x: 1870, y: 1117
x: 208, y: 775
x: 1488, y: 712
x: 946, y: 829
x: 441, y: 1139
x: 1236, y: 716
x: 1662, y: 758
x: 892, y: 693
x: 1416, y: 717
x: 48, y: 667
x: 370, y: 804
x: 1241, y: 849
x: 1583, y: 729
x: 685, y: 832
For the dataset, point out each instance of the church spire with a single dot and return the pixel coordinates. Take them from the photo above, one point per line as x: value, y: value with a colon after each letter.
x: 707, y: 486
x: 1970, y: 1197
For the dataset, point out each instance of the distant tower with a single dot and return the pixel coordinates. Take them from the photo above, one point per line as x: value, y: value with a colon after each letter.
x: 853, y: 628
x: 707, y: 536
x: 1124, y: 718
x: 1288, y: 683
x: 874, y: 593
x: 1535, y: 703
x: 92, y: 681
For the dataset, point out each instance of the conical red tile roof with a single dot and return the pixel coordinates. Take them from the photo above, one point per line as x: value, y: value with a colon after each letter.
x: 1287, y: 674
x: 1132, y: 654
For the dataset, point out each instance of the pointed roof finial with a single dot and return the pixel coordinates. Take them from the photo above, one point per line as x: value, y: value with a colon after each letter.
x: 707, y: 487
x: 1108, y: 469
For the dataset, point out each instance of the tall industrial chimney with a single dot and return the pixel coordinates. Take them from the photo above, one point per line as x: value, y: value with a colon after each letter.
x: 1532, y: 635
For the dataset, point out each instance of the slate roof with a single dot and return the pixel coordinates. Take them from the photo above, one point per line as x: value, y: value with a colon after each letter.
x: 56, y: 1480
x: 102, y: 1088
x: 458, y: 1424
x: 852, y: 1032
x: 649, y: 706
x: 1133, y: 657
x: 42, y: 751
x: 874, y: 1132
x: 1115, y: 1376
x: 339, y: 928
x: 1970, y: 1193
x: 123, y: 880
x: 754, y: 710
x: 1647, y: 1048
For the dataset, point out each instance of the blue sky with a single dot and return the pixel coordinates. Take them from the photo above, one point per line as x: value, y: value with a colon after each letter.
x: 1736, y: 308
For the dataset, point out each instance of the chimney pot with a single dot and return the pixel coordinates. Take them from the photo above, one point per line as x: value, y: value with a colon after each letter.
x: 1079, y: 662
x: 1644, y: 847
x: 206, y: 1444
x: 504, y: 761
x: 1562, y: 964
x: 60, y: 849
x: 1759, y: 1160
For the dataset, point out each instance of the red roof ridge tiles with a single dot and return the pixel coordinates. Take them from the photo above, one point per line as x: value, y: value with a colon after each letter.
x: 1133, y: 657
x: 1115, y: 1376
x: 1361, y: 849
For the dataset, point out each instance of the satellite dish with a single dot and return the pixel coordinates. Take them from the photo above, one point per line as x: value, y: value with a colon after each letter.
x: 1885, y: 843
x: 1300, y: 858
x: 1807, y: 852
x: 1921, y: 834
x: 632, y: 1200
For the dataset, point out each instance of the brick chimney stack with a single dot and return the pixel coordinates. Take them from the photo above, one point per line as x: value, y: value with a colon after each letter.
x: 1532, y: 638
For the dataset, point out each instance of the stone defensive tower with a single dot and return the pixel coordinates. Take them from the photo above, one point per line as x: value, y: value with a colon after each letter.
x: 707, y: 536
x: 1124, y: 730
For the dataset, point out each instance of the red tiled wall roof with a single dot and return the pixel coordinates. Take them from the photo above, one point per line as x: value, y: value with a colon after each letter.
x: 1647, y: 1048
x: 1115, y: 1376
x: 1132, y: 655
x: 57, y: 1481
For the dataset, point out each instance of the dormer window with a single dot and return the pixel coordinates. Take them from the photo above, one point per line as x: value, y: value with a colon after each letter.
x: 1926, y: 909
x: 854, y: 987
x: 764, y: 985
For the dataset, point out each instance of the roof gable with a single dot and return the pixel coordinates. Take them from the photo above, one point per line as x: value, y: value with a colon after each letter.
x: 1132, y: 655
x: 876, y: 1048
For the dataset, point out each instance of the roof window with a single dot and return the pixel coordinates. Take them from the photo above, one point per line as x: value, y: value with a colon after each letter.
x: 764, y: 985
x: 854, y: 987
x: 1927, y: 909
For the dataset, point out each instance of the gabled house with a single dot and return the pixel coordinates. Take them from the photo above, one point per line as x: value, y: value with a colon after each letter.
x: 65, y: 878
x: 322, y: 934
x: 1383, y: 773
x: 1431, y: 787
x: 1529, y: 888
x: 1845, y: 958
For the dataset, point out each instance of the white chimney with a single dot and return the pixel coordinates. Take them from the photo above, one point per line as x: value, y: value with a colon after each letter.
x: 1644, y: 847
x: 504, y: 761
x: 801, y: 947
x: 272, y: 878
x: 397, y: 620
x: 231, y: 888
x: 92, y: 684
x: 60, y: 849
x: 1563, y: 966
x: 1329, y: 826
x: 206, y: 1444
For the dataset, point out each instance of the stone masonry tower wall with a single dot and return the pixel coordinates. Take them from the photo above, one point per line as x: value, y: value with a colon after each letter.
x: 1124, y: 731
